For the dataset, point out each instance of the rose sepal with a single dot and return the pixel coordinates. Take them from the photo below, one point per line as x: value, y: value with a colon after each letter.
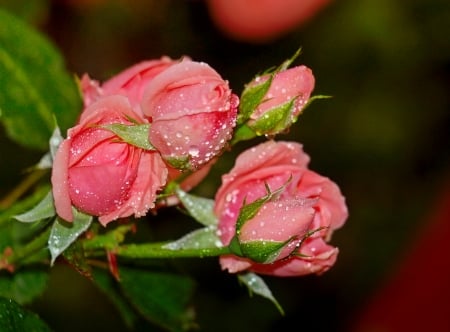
x: 275, y: 121
x: 136, y: 134
x: 263, y: 251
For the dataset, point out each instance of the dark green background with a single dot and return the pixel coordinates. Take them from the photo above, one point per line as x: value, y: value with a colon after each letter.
x: 384, y: 137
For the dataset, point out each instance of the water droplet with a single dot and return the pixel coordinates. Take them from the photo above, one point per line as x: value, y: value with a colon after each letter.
x: 194, y: 151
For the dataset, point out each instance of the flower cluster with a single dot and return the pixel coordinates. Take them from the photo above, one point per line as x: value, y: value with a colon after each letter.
x: 166, y: 121
x: 187, y: 113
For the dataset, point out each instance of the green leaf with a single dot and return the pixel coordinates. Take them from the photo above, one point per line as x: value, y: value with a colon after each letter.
x: 63, y: 233
x: 136, y: 135
x: 180, y: 162
x: 35, y: 85
x: 108, y: 285
x: 202, y: 238
x: 161, y: 297
x: 44, y: 209
x: 256, y: 284
x: 243, y: 133
x: 200, y: 208
x: 14, y: 318
x: 24, y: 285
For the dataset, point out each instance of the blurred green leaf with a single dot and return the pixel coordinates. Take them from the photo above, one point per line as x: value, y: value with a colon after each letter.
x: 14, y: 318
x: 161, y: 297
x: 35, y: 85
x: 31, y: 11
x: 24, y: 285
x: 104, y: 280
x: 63, y: 233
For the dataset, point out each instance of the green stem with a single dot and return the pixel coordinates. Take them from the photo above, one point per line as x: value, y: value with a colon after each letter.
x: 157, y: 250
x: 97, y: 245
x: 21, y: 188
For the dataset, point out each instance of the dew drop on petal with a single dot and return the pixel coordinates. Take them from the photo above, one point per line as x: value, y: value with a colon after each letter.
x: 194, y: 151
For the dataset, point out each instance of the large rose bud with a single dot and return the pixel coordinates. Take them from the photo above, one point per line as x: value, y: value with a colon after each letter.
x: 130, y: 82
x: 276, y: 100
x: 97, y: 172
x: 192, y: 111
x: 287, y: 235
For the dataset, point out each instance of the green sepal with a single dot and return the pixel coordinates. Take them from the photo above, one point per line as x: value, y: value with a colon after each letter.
x: 274, y: 121
x: 136, y: 134
x: 199, y: 208
x: 248, y: 211
x: 314, y: 98
x: 43, y: 210
x: 264, y: 252
x: 255, y: 284
x: 63, y: 233
x: 251, y: 97
x: 243, y: 133
x: 253, y: 94
x: 235, y: 247
x: 287, y: 63
x: 180, y: 163
x: 53, y: 143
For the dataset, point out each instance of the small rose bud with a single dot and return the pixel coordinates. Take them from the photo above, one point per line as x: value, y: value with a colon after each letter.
x: 272, y: 102
x: 193, y: 113
x: 265, y: 239
x: 276, y: 214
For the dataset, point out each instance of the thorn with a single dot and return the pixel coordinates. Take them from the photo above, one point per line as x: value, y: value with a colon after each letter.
x: 112, y: 264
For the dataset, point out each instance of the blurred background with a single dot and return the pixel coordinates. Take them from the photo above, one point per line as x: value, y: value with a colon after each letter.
x: 384, y: 137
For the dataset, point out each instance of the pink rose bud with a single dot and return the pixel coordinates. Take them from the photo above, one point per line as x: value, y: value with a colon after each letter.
x: 287, y: 234
x: 100, y: 174
x: 193, y: 113
x: 274, y: 101
x: 131, y: 82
